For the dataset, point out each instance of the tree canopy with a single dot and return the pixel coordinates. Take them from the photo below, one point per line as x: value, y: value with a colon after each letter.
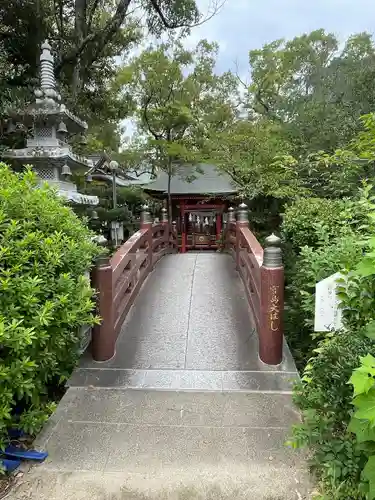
x: 87, y: 36
x: 315, y: 91
x: 179, y: 101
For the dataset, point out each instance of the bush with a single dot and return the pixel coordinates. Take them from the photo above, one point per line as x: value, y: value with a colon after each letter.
x: 362, y: 423
x: 343, y: 444
x: 306, y: 220
x: 336, y: 232
x: 44, y: 297
x: 311, y: 266
x: 325, y: 398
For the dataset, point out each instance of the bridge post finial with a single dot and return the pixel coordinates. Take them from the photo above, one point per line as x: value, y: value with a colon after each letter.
x: 242, y: 215
x: 145, y: 217
x: 231, y: 215
x: 271, y: 335
x: 164, y: 216
x: 272, y: 256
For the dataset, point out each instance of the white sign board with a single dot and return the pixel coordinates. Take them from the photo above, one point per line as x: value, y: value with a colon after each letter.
x: 328, y: 314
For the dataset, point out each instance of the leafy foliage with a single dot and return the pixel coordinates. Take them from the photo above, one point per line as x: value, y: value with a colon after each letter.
x: 45, y: 297
x: 316, y: 91
x: 179, y: 100
x: 314, y: 222
x: 303, y: 272
x: 249, y: 152
x: 87, y: 36
x: 362, y: 423
x: 325, y: 400
x: 341, y: 444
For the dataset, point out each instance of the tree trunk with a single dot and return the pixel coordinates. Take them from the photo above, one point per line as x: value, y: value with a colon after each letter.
x: 79, y: 33
x: 169, y: 191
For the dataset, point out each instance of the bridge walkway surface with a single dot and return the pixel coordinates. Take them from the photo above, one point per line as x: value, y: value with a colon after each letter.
x: 185, y: 410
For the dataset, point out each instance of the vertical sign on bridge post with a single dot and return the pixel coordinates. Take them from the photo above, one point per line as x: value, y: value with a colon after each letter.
x: 272, y: 303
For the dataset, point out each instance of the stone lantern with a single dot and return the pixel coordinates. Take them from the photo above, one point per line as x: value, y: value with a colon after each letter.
x: 52, y: 124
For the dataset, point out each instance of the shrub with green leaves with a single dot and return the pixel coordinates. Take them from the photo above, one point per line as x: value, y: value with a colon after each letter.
x: 306, y: 220
x: 325, y: 398
x: 45, y: 297
x: 362, y: 423
x: 323, y: 237
x: 342, y: 445
x: 311, y: 266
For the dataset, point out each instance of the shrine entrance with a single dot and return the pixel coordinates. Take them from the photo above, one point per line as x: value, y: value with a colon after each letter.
x: 201, y: 227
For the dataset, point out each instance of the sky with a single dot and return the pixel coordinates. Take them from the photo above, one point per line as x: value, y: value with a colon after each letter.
x: 242, y: 25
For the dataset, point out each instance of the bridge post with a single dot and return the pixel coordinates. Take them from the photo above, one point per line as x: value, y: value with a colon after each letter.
x: 242, y: 220
x: 146, y: 223
x: 164, y: 221
x: 231, y: 217
x: 174, y: 231
x: 271, y: 303
x: 164, y: 216
x: 103, y: 336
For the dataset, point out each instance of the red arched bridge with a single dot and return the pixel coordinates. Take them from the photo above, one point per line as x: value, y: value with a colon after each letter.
x: 193, y: 312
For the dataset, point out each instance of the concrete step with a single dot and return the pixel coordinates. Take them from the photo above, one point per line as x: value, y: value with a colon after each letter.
x: 261, y: 482
x: 185, y: 380
x: 142, y: 444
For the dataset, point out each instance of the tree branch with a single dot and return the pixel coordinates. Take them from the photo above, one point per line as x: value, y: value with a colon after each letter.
x: 145, y: 117
x: 91, y: 14
x: 170, y: 25
x: 104, y: 36
x: 58, y: 10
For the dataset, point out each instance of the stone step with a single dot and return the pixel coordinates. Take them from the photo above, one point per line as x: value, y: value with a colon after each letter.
x: 141, y: 444
x: 174, y: 408
x: 261, y: 482
x: 185, y: 380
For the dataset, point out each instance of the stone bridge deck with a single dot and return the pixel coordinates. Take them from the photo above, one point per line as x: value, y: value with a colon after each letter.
x: 190, y: 328
x: 185, y: 410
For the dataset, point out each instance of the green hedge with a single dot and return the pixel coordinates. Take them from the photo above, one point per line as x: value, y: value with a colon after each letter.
x: 45, y: 298
x: 309, y: 267
x: 325, y: 398
x: 314, y: 222
x: 327, y: 360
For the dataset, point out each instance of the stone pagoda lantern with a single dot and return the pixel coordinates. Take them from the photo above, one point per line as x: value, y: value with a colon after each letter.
x: 51, y: 124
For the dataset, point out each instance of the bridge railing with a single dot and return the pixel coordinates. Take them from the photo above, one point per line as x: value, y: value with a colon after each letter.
x: 262, y: 273
x: 119, y: 279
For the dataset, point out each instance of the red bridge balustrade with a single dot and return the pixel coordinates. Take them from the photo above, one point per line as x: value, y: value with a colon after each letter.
x: 119, y: 279
x: 262, y: 273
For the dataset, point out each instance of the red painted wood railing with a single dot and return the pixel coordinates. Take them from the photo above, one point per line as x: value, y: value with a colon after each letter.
x: 119, y: 279
x: 262, y: 273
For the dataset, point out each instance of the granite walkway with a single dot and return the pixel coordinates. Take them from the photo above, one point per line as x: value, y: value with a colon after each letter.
x: 184, y: 411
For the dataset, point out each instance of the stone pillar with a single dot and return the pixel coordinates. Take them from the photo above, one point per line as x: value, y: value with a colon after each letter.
x: 103, y: 336
x: 242, y: 221
x: 271, y: 303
